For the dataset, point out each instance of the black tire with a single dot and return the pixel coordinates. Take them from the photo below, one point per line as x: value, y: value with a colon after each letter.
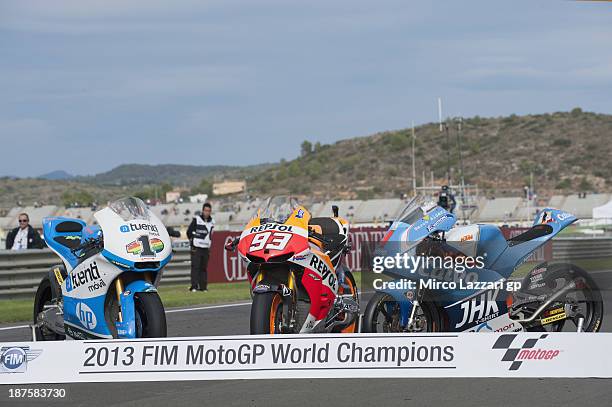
x: 373, y: 312
x: 354, y: 326
x: 150, y: 316
x: 44, y: 296
x: 593, y: 302
x: 266, y: 313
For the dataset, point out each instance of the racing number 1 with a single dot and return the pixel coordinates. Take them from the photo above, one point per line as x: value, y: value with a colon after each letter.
x: 270, y: 241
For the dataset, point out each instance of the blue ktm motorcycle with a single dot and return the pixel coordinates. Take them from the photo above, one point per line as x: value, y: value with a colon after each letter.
x: 440, y: 278
x: 106, y: 286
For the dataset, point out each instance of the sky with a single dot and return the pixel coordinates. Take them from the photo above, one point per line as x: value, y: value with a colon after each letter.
x: 88, y: 85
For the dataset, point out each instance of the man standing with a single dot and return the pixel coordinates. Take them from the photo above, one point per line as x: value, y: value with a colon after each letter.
x: 446, y: 199
x: 24, y: 236
x: 199, y: 233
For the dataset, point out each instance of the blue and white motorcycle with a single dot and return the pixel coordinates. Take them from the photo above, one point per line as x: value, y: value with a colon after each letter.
x: 106, y: 287
x: 479, y: 296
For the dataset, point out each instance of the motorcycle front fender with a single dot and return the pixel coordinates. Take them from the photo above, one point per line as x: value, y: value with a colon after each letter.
x: 127, y: 327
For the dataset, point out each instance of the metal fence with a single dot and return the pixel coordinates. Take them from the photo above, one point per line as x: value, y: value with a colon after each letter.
x: 20, y: 272
x: 579, y: 248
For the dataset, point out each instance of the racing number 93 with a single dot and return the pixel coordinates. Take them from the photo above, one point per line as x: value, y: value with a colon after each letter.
x: 270, y: 241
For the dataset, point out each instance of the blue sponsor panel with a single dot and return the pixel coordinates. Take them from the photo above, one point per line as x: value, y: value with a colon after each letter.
x: 87, y: 314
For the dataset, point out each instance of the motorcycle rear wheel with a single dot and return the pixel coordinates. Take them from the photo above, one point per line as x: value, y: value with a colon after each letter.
x: 587, y: 295
x: 352, y: 290
x: 44, y: 296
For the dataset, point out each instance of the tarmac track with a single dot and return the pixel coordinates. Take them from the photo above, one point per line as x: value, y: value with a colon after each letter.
x: 233, y: 319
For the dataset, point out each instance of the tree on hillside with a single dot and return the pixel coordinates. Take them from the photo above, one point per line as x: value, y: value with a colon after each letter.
x: 77, y: 198
x: 306, y: 148
x: 205, y: 187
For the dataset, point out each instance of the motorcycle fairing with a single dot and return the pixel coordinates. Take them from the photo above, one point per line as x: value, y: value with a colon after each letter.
x: 86, y: 315
x: 547, y: 224
x: 321, y: 283
x: 124, y: 241
x: 91, y: 278
x: 271, y: 240
x: 81, y: 285
x: 436, y: 220
x: 62, y: 235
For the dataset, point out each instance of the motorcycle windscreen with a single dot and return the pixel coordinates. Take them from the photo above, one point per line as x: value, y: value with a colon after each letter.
x: 134, y: 239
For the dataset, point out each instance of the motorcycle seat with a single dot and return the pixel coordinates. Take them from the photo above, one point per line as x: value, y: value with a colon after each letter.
x: 533, y: 233
x: 333, y: 232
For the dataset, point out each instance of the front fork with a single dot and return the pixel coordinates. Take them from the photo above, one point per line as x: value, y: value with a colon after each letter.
x: 126, y: 317
x: 119, y: 291
x: 288, y: 294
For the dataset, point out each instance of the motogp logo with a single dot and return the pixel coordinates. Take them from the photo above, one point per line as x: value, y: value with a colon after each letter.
x: 525, y: 351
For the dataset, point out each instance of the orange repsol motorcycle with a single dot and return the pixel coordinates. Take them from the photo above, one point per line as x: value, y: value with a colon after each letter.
x: 294, y: 264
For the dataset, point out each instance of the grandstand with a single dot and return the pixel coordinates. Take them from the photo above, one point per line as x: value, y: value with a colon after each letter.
x: 378, y: 210
x: 233, y: 215
x: 499, y: 210
x: 583, y: 207
x: 346, y: 208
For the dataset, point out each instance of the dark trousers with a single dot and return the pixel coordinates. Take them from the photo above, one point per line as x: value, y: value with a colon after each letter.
x: 199, y: 262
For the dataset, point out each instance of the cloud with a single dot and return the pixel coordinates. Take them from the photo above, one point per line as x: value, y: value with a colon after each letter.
x: 252, y: 79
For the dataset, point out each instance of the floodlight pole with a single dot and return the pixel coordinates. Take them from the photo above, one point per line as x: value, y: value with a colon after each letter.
x: 414, y: 186
x: 459, y: 130
x: 444, y: 127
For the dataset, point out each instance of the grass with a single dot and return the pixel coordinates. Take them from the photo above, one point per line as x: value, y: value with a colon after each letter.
x: 179, y: 296
x: 16, y: 310
x: 172, y: 296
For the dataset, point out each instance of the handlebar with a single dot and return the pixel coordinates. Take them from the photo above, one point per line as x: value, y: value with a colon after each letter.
x: 89, y: 244
x: 231, y: 246
x: 318, y: 236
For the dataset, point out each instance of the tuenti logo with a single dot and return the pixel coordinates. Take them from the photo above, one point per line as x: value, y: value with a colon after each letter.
x: 527, y: 351
x: 14, y: 359
x: 85, y: 276
x: 134, y: 227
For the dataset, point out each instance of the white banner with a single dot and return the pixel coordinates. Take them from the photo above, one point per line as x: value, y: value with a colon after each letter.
x: 308, y: 356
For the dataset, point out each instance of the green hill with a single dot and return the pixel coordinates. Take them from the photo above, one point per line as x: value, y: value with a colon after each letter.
x: 565, y: 151
x: 188, y: 175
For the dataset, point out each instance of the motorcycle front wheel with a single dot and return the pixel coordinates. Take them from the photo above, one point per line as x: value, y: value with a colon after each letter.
x: 266, y: 313
x: 382, y: 315
x: 150, y: 316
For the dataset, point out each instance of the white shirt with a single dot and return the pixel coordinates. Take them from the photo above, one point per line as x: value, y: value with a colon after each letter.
x: 21, y: 240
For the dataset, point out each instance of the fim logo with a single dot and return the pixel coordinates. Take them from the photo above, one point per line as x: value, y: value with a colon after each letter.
x: 15, y: 359
x: 527, y: 351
